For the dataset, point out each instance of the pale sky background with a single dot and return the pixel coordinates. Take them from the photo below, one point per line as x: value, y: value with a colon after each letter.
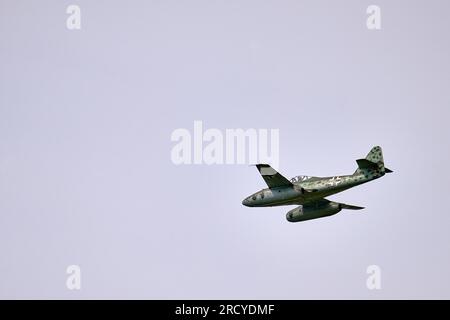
x: 85, y: 170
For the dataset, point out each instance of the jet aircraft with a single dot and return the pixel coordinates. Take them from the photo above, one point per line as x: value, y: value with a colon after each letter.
x: 310, y: 192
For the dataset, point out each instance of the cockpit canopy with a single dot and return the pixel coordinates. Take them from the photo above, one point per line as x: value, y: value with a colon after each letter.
x: 300, y: 179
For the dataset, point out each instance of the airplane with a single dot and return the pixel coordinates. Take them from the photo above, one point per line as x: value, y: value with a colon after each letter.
x: 310, y: 192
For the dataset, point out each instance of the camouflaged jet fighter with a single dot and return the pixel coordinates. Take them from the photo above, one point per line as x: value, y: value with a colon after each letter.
x: 309, y: 192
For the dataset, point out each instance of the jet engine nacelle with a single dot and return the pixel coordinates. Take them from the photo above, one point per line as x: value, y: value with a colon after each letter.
x: 308, y: 212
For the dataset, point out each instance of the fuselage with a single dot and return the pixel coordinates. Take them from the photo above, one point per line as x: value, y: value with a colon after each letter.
x: 307, y: 190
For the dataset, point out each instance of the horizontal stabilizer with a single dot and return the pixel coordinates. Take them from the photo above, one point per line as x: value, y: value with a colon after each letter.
x: 366, y: 164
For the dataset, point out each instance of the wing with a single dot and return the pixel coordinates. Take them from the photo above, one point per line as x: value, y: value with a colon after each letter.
x: 317, y: 209
x: 323, y: 202
x: 272, y: 177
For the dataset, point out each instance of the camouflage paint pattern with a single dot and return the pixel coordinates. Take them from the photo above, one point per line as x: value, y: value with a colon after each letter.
x: 309, y: 192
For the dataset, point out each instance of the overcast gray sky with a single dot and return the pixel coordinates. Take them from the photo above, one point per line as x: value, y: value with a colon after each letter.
x: 86, y: 176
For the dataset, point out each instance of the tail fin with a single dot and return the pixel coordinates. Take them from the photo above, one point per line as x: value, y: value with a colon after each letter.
x: 373, y: 163
x: 375, y: 155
